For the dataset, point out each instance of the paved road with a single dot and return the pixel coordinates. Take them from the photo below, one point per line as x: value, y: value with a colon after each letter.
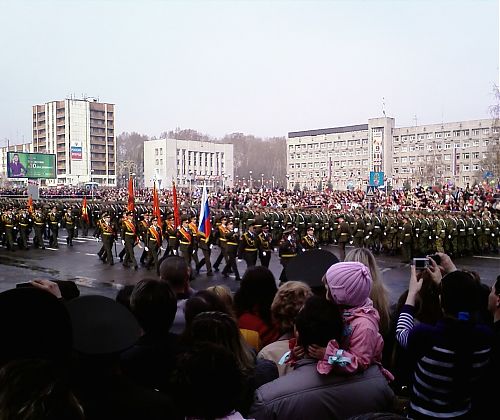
x: 80, y: 264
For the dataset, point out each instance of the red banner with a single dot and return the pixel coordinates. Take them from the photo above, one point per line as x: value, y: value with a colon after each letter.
x: 177, y: 216
x: 30, y: 204
x: 131, y: 201
x: 156, y: 205
x: 85, y: 215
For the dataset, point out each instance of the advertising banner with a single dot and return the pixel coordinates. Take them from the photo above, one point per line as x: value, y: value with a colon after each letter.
x: 76, y: 153
x: 31, y: 165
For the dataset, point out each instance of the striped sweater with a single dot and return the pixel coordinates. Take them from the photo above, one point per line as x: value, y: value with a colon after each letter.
x: 448, y: 359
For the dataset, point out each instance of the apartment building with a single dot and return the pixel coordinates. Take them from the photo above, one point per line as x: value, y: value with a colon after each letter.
x: 188, y: 163
x: 425, y: 154
x: 81, y: 132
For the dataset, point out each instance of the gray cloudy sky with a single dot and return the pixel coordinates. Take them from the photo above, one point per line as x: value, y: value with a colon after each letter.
x: 261, y: 67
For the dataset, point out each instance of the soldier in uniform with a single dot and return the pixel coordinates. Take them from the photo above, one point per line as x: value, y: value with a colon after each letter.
x: 205, y: 244
x: 185, y: 240
x: 344, y: 235
x: 309, y: 241
x: 462, y: 236
x: 54, y: 224
x: 287, y: 249
x: 153, y: 244
x: 108, y: 233
x: 406, y: 239
x: 451, y: 242
x: 38, y: 227
x: 376, y: 237
x: 248, y: 246
x: 220, y: 233
x: 24, y: 223
x: 171, y: 232
x: 8, y: 225
x: 264, y: 243
x: 193, y: 226
x: 232, y: 238
x: 440, y: 233
x: 130, y: 239
x: 69, y: 223
x: 143, y: 234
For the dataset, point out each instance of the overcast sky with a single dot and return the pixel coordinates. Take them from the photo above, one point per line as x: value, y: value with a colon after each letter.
x: 260, y: 67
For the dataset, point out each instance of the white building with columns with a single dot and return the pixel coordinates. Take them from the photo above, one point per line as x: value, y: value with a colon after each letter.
x: 189, y: 163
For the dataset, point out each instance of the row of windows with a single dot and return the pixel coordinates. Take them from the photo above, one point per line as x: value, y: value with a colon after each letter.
x: 446, y: 146
x: 446, y: 168
x: 328, y: 145
x: 348, y: 173
x: 447, y: 157
x: 357, y: 152
x: 447, y: 134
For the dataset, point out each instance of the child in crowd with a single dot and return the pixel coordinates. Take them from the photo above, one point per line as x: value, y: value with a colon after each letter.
x: 349, y: 285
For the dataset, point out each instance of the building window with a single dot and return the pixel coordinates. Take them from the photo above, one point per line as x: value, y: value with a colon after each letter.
x: 447, y: 157
x: 157, y: 159
x: 439, y: 135
x: 486, y: 142
x: 486, y: 131
x: 465, y: 156
x: 475, y: 167
x: 466, y: 145
x: 466, y: 168
x: 156, y: 152
x: 404, y: 149
x: 475, y: 132
x: 496, y: 130
x: 429, y: 136
x: 475, y: 155
x: 456, y: 133
x: 465, y: 132
x: 447, y: 134
x: 161, y: 150
x: 475, y: 143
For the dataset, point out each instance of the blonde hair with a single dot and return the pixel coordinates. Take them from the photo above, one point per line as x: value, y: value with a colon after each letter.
x: 288, y: 301
x: 225, y: 294
x: 378, y: 294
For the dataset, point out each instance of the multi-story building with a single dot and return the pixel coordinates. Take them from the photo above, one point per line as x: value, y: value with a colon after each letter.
x: 188, y: 163
x: 425, y: 154
x: 81, y: 132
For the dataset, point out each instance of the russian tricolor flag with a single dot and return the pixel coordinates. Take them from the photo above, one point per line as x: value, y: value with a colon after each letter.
x: 204, y: 224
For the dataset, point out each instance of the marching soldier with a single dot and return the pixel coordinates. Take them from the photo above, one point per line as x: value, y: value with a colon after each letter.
x: 171, y: 231
x: 24, y: 222
x: 205, y: 244
x: 287, y: 249
x: 69, y: 223
x: 129, y: 240
x: 309, y: 241
x: 193, y: 226
x: 54, y: 225
x: 440, y: 234
x: 108, y: 235
x: 153, y: 244
x: 343, y: 235
x: 264, y: 241
x: 248, y: 246
x: 232, y: 238
x: 38, y: 227
x: 185, y: 240
x: 8, y: 225
x: 376, y: 238
x: 406, y: 239
x: 143, y: 233
x: 221, y: 233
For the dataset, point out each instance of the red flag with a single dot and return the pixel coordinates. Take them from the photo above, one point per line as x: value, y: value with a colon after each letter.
x: 30, y: 204
x: 130, y: 205
x: 85, y: 214
x: 177, y: 216
x: 156, y: 205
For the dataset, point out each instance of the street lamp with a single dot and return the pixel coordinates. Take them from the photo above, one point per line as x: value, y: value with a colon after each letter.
x: 190, y: 181
x: 251, y: 181
x: 273, y: 182
x: 223, y: 180
x: 262, y: 181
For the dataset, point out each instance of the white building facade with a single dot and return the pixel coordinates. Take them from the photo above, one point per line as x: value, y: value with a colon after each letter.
x: 81, y: 133
x: 188, y: 163
x: 425, y: 154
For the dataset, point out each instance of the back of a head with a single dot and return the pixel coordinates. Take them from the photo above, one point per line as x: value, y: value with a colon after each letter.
x: 203, y: 301
x: 154, y: 304
x: 207, y: 382
x: 349, y: 283
x: 288, y: 301
x: 257, y: 290
x: 318, y: 322
x: 175, y: 271
x: 460, y: 294
x: 33, y: 389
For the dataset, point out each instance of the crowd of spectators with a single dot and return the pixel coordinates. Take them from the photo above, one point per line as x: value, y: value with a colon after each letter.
x: 444, y: 198
x: 163, y: 350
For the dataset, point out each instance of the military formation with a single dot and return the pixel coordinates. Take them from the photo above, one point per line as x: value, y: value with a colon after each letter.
x: 249, y: 234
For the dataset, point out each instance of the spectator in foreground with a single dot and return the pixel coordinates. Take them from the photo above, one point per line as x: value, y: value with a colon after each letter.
x: 176, y: 272
x: 151, y: 360
x: 450, y: 358
x: 494, y: 307
x: 287, y: 303
x: 207, y: 383
x: 304, y: 393
x: 253, y: 303
x: 221, y: 329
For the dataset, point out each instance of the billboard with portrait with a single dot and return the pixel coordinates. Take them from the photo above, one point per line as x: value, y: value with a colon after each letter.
x: 31, y: 165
